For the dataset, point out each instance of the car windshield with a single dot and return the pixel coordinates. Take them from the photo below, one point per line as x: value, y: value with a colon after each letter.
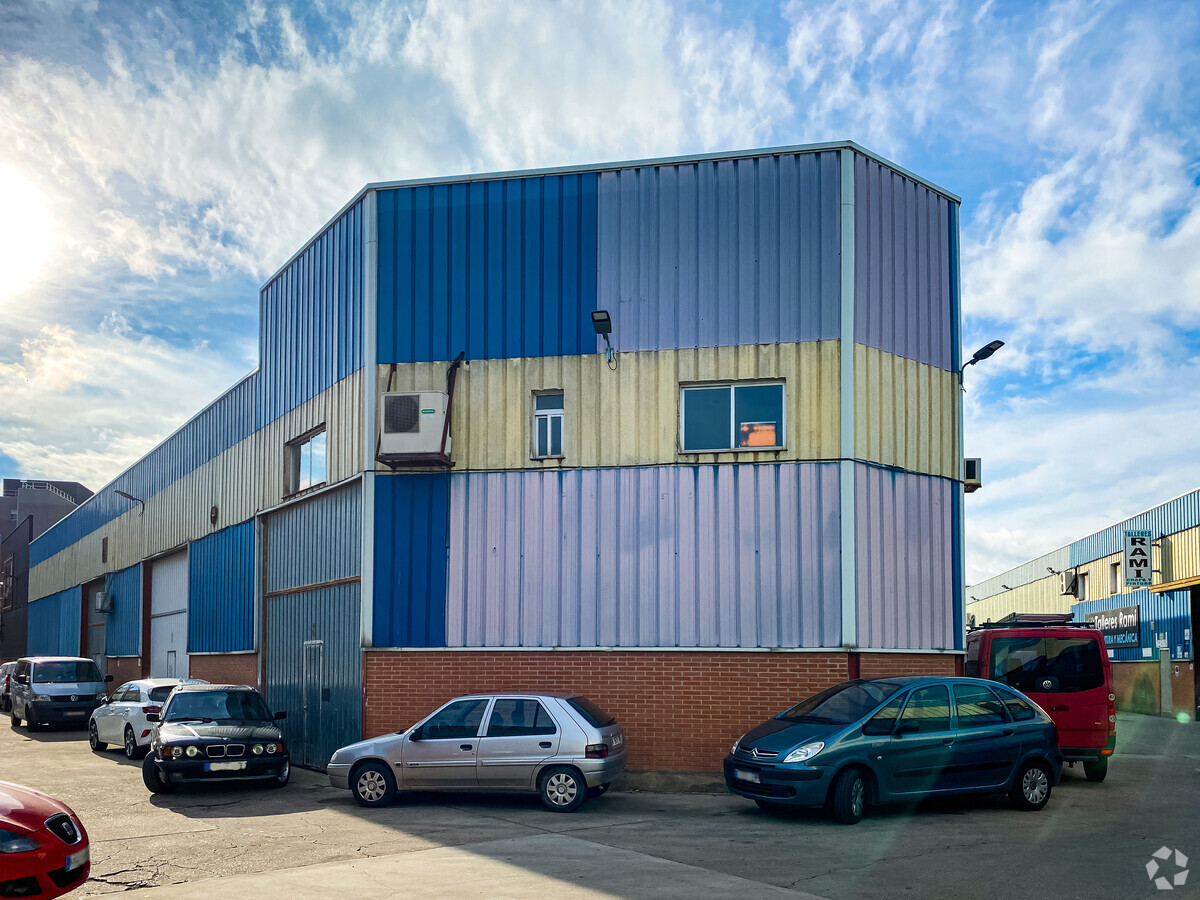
x: 65, y: 672
x: 842, y: 703
x: 217, y: 706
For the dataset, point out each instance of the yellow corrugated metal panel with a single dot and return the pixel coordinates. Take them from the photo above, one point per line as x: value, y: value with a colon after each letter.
x: 1180, y: 555
x: 1040, y: 596
x: 240, y: 482
x: 630, y: 415
x: 906, y: 413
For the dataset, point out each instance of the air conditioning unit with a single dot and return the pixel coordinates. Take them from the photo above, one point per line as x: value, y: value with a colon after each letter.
x: 972, y: 477
x: 1068, y: 583
x: 103, y: 602
x: 412, y: 424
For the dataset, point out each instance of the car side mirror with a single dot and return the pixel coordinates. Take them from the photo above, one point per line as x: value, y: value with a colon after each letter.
x: 108, y: 679
x: 21, y: 679
x: 909, y: 728
x: 280, y: 715
x: 416, y: 735
x: 153, y: 717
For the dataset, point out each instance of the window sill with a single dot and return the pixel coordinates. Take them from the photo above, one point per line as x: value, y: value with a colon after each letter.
x: 547, y: 458
x: 733, y: 450
x: 307, y: 490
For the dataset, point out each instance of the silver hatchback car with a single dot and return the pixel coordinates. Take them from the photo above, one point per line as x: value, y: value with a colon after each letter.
x: 560, y: 745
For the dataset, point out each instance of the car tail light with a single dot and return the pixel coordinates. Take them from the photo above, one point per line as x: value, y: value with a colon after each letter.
x: 151, y: 709
x: 596, y: 751
x: 1112, y: 714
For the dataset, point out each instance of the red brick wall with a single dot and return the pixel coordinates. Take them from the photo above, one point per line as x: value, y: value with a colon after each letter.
x: 123, y: 669
x: 1138, y: 687
x: 885, y: 665
x: 225, y: 668
x: 681, y: 711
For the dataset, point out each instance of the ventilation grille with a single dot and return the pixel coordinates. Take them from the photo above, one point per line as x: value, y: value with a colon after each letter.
x: 63, y: 828
x: 401, y: 414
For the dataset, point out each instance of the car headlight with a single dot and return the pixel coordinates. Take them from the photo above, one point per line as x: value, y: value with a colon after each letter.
x: 11, y: 842
x: 40, y: 698
x: 274, y: 748
x: 172, y: 752
x: 100, y: 695
x: 807, y: 752
x: 193, y: 750
x: 257, y: 749
x: 736, y: 744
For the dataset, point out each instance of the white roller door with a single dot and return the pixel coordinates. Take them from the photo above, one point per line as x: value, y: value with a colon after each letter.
x: 168, y: 616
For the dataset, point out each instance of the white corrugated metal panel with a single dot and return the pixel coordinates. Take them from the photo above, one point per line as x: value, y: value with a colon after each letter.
x: 1034, y: 570
x: 707, y: 556
x: 1041, y: 596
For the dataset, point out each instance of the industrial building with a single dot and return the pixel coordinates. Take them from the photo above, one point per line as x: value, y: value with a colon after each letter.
x: 1144, y: 604
x: 682, y: 435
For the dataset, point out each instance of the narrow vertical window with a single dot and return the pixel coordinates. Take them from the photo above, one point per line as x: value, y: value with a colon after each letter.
x: 1114, y: 578
x: 548, y: 425
x: 306, y: 462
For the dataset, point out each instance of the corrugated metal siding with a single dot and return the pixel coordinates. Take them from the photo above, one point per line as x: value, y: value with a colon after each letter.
x: 906, y: 413
x: 54, y: 624
x: 1040, y: 596
x: 1176, y: 515
x: 123, y: 626
x: 904, y: 562
x: 411, y: 515
x: 501, y: 268
x: 330, y: 615
x: 902, y: 266
x: 315, y: 541
x: 221, y: 591
x: 721, y: 252
x: 1180, y: 555
x: 706, y: 556
x: 311, y: 320
x: 630, y: 416
x: 1169, y: 612
x: 1026, y: 573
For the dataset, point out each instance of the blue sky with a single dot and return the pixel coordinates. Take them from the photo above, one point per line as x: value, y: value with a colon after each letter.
x: 157, y: 162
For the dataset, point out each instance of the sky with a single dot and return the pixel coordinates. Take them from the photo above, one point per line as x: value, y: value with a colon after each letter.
x: 159, y: 161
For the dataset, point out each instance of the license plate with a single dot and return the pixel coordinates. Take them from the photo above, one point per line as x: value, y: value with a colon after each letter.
x: 76, y: 712
x: 76, y: 860
x: 225, y: 766
x: 747, y: 776
x: 617, y: 740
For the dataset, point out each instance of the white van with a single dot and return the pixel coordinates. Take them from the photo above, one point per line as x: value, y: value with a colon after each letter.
x: 48, y: 690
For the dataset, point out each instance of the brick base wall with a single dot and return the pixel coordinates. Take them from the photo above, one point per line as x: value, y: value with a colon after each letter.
x: 123, y: 669
x: 225, y: 668
x: 1138, y: 687
x: 681, y: 711
x: 885, y: 665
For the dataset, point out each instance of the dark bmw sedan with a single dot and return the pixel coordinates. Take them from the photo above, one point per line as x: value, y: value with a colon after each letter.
x: 215, y: 732
x: 895, y: 740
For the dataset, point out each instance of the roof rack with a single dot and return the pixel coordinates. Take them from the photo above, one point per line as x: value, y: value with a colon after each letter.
x: 1036, y: 620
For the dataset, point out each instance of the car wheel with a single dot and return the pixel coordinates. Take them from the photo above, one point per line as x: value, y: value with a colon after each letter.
x: 373, y: 785
x: 132, y: 750
x: 562, y: 789
x: 848, y: 799
x: 94, y: 738
x: 15, y: 719
x: 1096, y: 770
x: 283, y: 777
x: 599, y: 790
x: 152, y: 779
x: 1031, y: 786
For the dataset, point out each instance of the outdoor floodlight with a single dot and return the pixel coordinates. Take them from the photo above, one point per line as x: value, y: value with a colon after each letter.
x: 602, y: 323
x: 132, y: 499
x: 982, y: 353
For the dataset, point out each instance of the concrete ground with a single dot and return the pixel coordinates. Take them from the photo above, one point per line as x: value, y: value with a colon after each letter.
x: 308, y: 840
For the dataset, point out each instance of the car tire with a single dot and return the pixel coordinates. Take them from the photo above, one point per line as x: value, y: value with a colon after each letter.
x: 562, y: 789
x: 94, y: 738
x: 283, y: 777
x: 848, y: 797
x: 1096, y: 770
x: 132, y: 750
x: 373, y: 784
x: 15, y: 719
x: 599, y: 790
x: 152, y: 779
x: 1031, y: 786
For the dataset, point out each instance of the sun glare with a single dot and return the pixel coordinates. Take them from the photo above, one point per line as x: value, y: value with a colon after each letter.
x: 24, y: 232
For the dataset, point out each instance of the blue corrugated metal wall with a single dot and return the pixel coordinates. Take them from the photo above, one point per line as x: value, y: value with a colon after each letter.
x: 904, y: 560
x: 902, y: 290
x: 501, y: 268
x: 695, y: 556
x: 221, y: 591
x: 724, y: 252
x: 315, y: 541
x: 123, y: 626
x: 411, y: 520
x: 1168, y: 612
x: 1176, y: 515
x: 54, y: 624
x: 311, y: 320
x: 227, y: 421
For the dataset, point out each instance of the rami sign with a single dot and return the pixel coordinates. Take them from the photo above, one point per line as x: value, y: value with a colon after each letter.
x: 1137, y: 558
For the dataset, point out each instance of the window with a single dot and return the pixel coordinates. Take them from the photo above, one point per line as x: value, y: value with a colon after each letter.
x: 971, y: 670
x: 1026, y: 663
x: 1017, y: 707
x: 1081, y: 586
x: 458, y: 720
x: 120, y: 695
x: 548, y: 425
x: 977, y: 707
x: 739, y: 416
x: 928, y: 709
x: 885, y: 720
x: 519, y: 718
x: 103, y: 550
x: 306, y: 462
x: 1114, y: 578
x: 159, y: 694
x: 591, y: 712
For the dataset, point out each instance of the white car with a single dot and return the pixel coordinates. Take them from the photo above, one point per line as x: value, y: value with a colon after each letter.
x: 122, y: 719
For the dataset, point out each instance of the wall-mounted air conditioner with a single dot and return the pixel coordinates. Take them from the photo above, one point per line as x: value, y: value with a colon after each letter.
x: 411, y: 424
x: 1068, y: 583
x: 972, y: 474
x: 103, y: 601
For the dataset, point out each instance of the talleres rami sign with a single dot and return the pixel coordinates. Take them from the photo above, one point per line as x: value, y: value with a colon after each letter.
x: 1137, y: 558
x: 1121, y: 627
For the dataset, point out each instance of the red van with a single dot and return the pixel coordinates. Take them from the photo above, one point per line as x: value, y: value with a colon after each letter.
x: 1064, y: 668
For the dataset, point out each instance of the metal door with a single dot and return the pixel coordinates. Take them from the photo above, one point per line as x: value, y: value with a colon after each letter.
x: 168, y: 616
x: 95, y: 631
x: 313, y: 704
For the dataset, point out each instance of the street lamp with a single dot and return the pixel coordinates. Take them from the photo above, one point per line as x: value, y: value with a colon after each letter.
x: 132, y: 499
x: 981, y: 354
x: 602, y: 325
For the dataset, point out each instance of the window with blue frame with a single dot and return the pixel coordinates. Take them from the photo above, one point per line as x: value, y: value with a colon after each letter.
x: 548, y: 425
x: 737, y: 416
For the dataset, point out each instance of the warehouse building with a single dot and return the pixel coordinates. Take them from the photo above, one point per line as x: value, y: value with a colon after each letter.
x: 682, y: 435
x: 1139, y: 582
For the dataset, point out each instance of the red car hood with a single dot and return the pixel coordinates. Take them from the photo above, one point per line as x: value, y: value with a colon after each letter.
x: 25, y: 808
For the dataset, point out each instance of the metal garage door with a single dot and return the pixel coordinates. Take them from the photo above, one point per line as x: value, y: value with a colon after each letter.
x: 95, y: 630
x: 168, y: 616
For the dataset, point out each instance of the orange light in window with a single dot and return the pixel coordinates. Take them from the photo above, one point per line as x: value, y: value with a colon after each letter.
x: 757, y: 434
